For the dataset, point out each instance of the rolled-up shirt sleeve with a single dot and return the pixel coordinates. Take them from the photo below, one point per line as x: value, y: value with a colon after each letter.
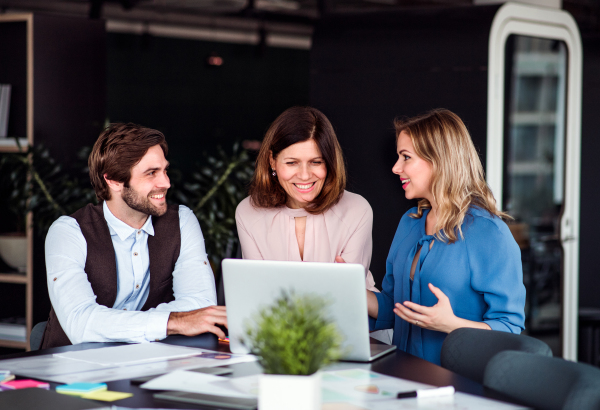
x: 193, y: 278
x: 497, y: 274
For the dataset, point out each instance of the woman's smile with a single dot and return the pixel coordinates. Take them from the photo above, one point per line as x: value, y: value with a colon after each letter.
x: 304, y: 188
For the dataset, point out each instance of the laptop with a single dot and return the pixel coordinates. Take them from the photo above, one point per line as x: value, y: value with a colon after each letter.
x: 254, y: 284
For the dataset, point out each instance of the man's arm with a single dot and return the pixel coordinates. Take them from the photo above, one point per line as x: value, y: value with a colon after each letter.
x: 193, y: 311
x: 193, y: 279
x: 74, y: 301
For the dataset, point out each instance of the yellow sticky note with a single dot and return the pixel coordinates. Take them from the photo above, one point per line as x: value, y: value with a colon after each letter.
x: 107, y: 395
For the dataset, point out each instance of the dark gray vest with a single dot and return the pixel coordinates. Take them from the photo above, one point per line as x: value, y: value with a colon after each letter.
x: 101, y: 263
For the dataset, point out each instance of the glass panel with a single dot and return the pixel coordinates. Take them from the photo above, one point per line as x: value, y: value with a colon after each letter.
x: 533, y: 173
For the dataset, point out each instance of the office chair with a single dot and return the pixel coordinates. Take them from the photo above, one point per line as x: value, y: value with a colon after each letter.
x: 544, y: 382
x: 467, y: 351
x: 36, y: 335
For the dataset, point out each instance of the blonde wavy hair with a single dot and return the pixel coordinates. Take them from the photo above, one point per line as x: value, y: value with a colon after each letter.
x: 441, y: 138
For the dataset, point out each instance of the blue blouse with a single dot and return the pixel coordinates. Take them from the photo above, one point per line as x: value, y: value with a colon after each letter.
x: 481, y: 274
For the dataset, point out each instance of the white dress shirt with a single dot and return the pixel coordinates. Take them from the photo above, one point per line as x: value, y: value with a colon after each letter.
x: 74, y: 301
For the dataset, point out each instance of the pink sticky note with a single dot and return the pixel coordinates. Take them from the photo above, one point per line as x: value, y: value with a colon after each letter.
x: 24, y: 384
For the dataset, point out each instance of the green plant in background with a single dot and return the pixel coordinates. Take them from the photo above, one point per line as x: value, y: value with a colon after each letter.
x: 36, y: 182
x: 293, y: 336
x: 213, y: 194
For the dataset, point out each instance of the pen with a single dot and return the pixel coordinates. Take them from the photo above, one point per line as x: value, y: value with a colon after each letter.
x: 424, y: 393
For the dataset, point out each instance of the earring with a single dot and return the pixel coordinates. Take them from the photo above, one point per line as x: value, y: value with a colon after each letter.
x: 273, y: 173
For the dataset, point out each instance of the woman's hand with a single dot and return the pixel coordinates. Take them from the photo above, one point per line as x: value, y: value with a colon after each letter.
x: 438, y: 317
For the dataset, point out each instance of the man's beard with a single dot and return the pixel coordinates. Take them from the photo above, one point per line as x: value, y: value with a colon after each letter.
x: 142, y: 204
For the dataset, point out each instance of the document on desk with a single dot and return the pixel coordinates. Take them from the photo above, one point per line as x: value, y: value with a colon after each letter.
x: 367, y: 390
x: 135, y: 353
x: 61, y: 369
x: 194, y: 382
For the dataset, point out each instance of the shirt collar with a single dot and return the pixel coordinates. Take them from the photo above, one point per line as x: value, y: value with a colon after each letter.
x: 120, y: 228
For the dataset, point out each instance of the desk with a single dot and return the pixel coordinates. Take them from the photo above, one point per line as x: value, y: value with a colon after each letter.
x: 397, y: 364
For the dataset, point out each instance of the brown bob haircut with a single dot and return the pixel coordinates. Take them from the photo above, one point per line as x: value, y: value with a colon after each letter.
x: 118, y: 149
x: 299, y: 124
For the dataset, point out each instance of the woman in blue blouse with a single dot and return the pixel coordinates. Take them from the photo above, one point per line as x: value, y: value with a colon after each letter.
x: 453, y: 262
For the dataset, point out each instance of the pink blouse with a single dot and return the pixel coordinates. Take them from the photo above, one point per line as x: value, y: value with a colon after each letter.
x: 345, y: 230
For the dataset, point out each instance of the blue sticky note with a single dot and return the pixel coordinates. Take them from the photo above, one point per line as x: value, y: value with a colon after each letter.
x: 77, y: 389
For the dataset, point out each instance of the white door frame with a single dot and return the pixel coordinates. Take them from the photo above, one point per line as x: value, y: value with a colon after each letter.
x: 552, y: 24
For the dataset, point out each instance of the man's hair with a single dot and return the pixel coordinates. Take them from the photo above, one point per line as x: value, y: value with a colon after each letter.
x: 118, y: 149
x: 294, y: 125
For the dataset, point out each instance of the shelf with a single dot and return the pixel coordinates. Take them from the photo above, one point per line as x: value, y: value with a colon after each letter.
x: 13, y: 343
x: 13, y: 278
x: 10, y: 145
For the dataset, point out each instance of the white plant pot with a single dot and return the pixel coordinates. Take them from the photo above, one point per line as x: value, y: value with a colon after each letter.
x: 13, y: 250
x: 280, y: 391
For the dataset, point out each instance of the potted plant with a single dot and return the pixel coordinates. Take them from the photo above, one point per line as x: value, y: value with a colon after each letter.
x: 293, y: 339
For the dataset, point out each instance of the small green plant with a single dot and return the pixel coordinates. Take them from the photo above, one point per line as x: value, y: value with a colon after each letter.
x: 293, y: 336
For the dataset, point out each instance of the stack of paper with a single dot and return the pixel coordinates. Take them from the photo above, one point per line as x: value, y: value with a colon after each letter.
x: 13, y: 331
x: 79, y: 389
x: 5, y: 376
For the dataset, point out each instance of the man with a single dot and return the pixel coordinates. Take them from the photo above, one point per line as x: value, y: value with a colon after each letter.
x: 131, y: 269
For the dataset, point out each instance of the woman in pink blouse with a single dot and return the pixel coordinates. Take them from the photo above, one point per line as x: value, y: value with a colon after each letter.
x: 298, y: 209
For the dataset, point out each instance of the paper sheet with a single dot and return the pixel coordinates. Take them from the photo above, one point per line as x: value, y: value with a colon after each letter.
x: 192, y: 382
x: 130, y: 354
x: 62, y: 370
x: 246, y: 385
x: 359, y: 389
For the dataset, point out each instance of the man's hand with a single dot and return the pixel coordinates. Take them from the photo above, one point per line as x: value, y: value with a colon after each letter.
x: 198, y: 321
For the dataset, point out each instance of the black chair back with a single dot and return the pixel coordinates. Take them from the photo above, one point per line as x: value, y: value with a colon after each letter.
x: 467, y: 351
x: 544, y: 382
x: 36, y: 335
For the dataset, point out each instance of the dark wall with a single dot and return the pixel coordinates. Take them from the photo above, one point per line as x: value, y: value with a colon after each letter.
x: 69, y: 106
x: 589, y: 267
x: 165, y: 83
x: 368, y: 69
